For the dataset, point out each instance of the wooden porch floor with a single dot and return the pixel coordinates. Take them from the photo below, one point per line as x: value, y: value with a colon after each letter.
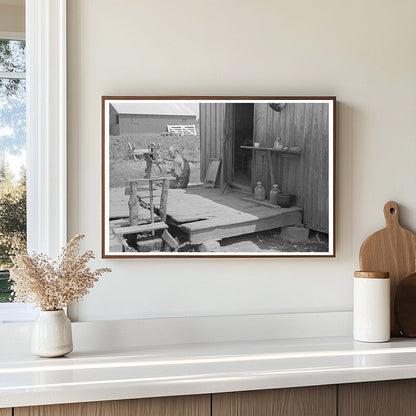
x: 211, y: 214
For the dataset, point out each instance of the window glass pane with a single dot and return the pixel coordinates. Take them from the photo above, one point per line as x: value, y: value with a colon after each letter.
x: 12, y: 56
x: 12, y: 162
x: 13, y: 121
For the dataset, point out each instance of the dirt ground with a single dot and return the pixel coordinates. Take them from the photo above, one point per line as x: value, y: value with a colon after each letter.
x: 272, y: 241
x: 269, y: 241
x: 188, y: 145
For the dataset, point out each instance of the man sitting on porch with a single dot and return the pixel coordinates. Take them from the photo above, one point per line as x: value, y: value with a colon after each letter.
x: 181, y: 170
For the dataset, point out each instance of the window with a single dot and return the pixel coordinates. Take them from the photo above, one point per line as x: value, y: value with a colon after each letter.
x: 46, y: 134
x: 12, y: 166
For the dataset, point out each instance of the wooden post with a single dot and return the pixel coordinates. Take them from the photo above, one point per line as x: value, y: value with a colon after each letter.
x: 226, y: 144
x: 164, y: 200
x: 271, y: 168
x: 260, y: 136
x: 148, y: 169
x: 133, y: 204
x: 152, y: 220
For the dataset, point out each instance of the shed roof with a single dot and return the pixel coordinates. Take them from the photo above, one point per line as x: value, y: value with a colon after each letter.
x: 160, y: 108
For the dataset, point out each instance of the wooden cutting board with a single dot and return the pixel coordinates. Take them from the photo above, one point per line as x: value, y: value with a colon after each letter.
x: 393, y: 250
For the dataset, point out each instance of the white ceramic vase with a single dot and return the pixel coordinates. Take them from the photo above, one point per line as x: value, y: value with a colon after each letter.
x: 52, y: 334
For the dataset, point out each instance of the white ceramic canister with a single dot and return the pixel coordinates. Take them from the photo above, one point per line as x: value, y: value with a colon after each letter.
x: 371, y: 315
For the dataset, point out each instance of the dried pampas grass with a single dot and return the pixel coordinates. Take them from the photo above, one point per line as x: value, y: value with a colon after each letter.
x: 53, y: 285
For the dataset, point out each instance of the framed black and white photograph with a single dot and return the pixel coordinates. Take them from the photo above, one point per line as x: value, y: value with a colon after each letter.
x: 218, y: 176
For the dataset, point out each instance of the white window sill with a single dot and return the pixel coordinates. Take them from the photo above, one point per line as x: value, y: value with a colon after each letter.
x: 16, y: 313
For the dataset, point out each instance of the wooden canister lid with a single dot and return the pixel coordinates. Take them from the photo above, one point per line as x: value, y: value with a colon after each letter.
x: 372, y: 275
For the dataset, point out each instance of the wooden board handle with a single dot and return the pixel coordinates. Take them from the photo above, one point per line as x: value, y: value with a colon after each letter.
x: 391, y: 214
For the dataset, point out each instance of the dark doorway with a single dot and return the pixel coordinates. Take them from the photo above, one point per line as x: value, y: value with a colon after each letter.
x: 243, y: 136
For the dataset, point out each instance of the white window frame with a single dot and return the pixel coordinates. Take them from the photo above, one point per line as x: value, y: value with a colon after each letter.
x: 46, y: 125
x: 46, y: 134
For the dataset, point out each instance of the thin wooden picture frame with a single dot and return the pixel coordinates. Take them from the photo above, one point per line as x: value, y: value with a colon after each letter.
x: 155, y: 155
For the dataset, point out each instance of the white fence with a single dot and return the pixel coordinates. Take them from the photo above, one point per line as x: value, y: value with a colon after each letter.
x: 183, y: 130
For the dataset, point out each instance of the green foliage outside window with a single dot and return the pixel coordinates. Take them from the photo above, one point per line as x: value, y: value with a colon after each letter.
x: 12, y: 223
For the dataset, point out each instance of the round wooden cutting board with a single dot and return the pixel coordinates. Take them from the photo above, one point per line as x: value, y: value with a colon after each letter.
x: 405, y: 305
x: 392, y: 250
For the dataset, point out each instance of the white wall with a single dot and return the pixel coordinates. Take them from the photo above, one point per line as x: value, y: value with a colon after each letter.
x: 361, y: 51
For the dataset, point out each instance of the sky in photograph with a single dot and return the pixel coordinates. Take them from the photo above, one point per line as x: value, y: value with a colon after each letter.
x: 163, y: 107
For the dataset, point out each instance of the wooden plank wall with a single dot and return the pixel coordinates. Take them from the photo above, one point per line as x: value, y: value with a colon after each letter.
x: 301, y: 124
x: 212, y: 133
x: 304, y: 125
